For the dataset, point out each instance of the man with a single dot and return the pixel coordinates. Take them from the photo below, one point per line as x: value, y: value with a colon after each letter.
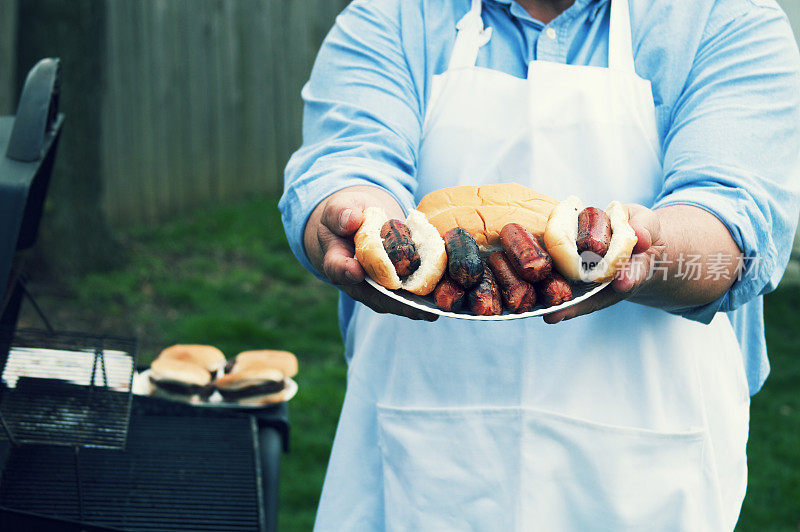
x: 632, y: 417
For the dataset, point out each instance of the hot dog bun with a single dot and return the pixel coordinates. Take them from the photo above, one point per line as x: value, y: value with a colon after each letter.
x: 484, y: 210
x: 562, y: 231
x: 372, y: 256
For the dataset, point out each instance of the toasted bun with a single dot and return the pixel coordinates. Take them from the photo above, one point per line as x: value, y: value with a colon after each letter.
x: 284, y: 361
x: 372, y: 256
x: 562, y: 231
x: 484, y: 210
x: 206, y: 356
x: 180, y: 371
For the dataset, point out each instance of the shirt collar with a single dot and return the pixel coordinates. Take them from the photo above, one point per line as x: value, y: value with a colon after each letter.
x: 516, y: 9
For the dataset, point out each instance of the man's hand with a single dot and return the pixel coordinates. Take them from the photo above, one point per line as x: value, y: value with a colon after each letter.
x: 328, y: 240
x: 665, y: 238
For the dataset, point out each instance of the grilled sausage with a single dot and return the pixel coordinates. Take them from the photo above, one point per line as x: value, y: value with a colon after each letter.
x: 400, y: 248
x: 594, y: 231
x: 531, y: 262
x: 448, y: 295
x: 484, y: 298
x: 518, y: 296
x: 553, y: 290
x: 463, y: 261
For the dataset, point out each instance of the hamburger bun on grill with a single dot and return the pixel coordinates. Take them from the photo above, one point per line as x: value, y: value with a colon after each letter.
x: 484, y: 210
x: 206, y: 356
x: 255, y: 383
x: 373, y: 257
x: 179, y: 380
x: 284, y: 361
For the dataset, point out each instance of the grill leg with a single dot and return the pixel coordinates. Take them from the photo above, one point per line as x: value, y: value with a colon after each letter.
x: 271, y: 447
x: 23, y: 284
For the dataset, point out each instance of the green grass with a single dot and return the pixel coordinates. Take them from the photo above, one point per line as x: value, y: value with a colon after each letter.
x: 773, y: 494
x: 226, y: 277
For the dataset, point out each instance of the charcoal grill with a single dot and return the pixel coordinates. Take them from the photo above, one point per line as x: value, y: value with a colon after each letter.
x: 77, y: 450
x: 67, y: 389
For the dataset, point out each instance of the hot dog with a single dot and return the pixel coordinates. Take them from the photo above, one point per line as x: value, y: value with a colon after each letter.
x: 371, y: 253
x: 484, y: 298
x: 553, y: 290
x: 400, y: 248
x: 464, y: 263
x: 572, y: 230
x: 594, y: 231
x: 518, y: 295
x: 531, y: 262
x: 448, y: 295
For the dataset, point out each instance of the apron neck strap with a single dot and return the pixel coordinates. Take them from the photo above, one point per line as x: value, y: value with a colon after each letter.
x: 620, y: 46
x: 470, y: 36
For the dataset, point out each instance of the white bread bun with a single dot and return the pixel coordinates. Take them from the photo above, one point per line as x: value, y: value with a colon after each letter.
x: 178, y: 380
x: 373, y: 257
x: 484, y: 210
x: 284, y: 361
x: 562, y: 231
x: 205, y: 356
x: 180, y: 371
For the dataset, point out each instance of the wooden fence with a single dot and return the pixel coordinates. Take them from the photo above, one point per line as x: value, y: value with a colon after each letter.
x: 202, y: 99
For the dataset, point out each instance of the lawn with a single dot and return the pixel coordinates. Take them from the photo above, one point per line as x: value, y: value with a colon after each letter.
x: 226, y: 277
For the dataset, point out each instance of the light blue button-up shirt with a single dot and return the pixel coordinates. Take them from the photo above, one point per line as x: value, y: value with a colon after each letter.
x: 726, y: 83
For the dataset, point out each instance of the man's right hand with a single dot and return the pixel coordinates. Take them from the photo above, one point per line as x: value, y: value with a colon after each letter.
x: 328, y: 240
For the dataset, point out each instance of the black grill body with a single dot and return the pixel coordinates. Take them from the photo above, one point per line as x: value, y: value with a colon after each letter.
x: 184, y: 468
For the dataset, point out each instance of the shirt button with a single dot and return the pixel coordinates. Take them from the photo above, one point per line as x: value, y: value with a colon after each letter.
x: 551, y: 34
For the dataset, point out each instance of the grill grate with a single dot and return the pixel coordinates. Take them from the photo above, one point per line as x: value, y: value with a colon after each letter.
x: 177, y: 473
x: 67, y: 389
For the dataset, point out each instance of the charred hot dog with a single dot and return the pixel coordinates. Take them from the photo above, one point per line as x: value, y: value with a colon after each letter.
x: 463, y: 260
x: 518, y: 295
x: 448, y: 295
x: 553, y: 290
x: 531, y: 262
x: 400, y: 248
x: 484, y: 298
x: 594, y: 231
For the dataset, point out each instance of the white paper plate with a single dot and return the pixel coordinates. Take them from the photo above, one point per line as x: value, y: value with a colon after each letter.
x: 580, y: 291
x: 142, y: 386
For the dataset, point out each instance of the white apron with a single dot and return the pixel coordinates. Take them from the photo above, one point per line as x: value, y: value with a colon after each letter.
x: 626, y: 419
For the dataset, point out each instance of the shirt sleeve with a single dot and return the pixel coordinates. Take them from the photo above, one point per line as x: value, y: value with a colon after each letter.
x: 733, y: 147
x: 362, y: 118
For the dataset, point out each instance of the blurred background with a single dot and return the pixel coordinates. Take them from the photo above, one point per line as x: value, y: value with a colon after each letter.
x: 162, y: 220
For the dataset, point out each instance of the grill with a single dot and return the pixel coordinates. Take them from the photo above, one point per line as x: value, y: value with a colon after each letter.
x: 179, y: 472
x: 67, y: 389
x: 79, y: 452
